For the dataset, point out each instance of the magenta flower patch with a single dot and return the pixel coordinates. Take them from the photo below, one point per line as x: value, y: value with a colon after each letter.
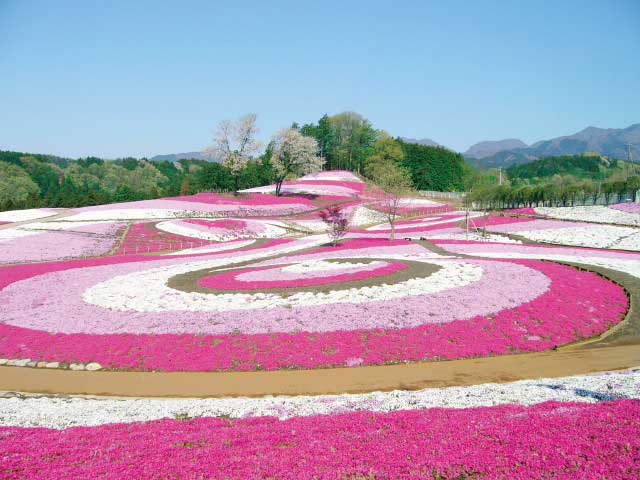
x: 563, y: 440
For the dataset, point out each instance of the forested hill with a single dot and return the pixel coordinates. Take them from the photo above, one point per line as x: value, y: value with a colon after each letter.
x: 434, y: 168
x: 34, y: 180
x: 590, y: 166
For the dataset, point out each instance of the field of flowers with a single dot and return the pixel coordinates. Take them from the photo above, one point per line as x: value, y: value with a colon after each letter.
x: 397, y: 302
x: 620, y: 213
x: 552, y: 439
x: 222, y: 283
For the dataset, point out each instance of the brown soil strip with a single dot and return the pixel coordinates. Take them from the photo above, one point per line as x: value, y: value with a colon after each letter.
x: 323, y: 381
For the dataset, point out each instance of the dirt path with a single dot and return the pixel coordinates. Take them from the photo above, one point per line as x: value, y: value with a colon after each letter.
x: 569, y: 361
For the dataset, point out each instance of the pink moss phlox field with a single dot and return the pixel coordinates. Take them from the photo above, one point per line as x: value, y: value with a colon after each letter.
x: 523, y: 211
x: 494, y: 290
x: 14, y: 273
x: 322, y: 187
x: 561, y: 315
x: 627, y: 207
x: 560, y: 440
x: 140, y: 238
x: 258, y: 205
x: 226, y: 223
x: 78, y: 241
x: 274, y: 277
x: 250, y: 199
x: 227, y: 226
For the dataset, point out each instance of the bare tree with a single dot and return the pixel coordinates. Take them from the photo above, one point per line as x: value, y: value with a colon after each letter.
x: 394, y: 183
x: 234, y: 143
x: 293, y: 154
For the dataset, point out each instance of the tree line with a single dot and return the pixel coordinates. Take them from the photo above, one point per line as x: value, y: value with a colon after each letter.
x: 344, y: 141
x: 559, y: 192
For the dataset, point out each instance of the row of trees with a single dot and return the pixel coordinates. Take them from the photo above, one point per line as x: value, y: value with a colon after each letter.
x: 559, y: 192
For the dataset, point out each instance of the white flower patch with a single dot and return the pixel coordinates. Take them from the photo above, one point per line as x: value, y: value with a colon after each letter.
x: 631, y: 267
x: 597, y: 213
x: 597, y: 236
x: 59, y: 225
x: 366, y: 216
x: 62, y: 412
x: 429, y: 221
x: 7, y: 234
x: 334, y: 175
x: 268, y: 229
x: 26, y: 215
x: 315, y: 226
x: 147, y: 291
x: 473, y: 236
x: 418, y: 202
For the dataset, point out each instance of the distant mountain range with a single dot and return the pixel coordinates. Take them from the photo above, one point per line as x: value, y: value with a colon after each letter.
x: 174, y: 157
x: 488, y: 148
x: 611, y: 142
x: 424, y: 141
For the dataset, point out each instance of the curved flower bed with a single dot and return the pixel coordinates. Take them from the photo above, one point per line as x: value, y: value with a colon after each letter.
x: 202, y: 205
x: 305, y: 275
x: 146, y: 314
x: 627, y: 262
x: 224, y: 229
x: 143, y: 237
x: 11, y: 216
x: 333, y: 185
x: 547, y: 440
x: 39, y: 242
x: 567, y: 233
x: 621, y: 213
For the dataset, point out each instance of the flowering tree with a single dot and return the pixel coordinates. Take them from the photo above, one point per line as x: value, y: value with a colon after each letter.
x: 337, y: 223
x: 293, y: 154
x: 234, y: 143
x: 394, y: 183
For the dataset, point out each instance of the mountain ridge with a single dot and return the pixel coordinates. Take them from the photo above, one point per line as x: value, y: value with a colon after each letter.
x: 611, y: 142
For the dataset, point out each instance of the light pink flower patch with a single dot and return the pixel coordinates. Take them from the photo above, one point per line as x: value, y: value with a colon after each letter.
x: 75, y: 241
x: 627, y: 207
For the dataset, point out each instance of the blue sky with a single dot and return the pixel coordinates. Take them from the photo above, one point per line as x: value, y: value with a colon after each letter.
x: 142, y: 78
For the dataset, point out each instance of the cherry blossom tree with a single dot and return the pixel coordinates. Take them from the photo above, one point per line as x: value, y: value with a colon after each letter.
x: 235, y: 143
x: 293, y: 154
